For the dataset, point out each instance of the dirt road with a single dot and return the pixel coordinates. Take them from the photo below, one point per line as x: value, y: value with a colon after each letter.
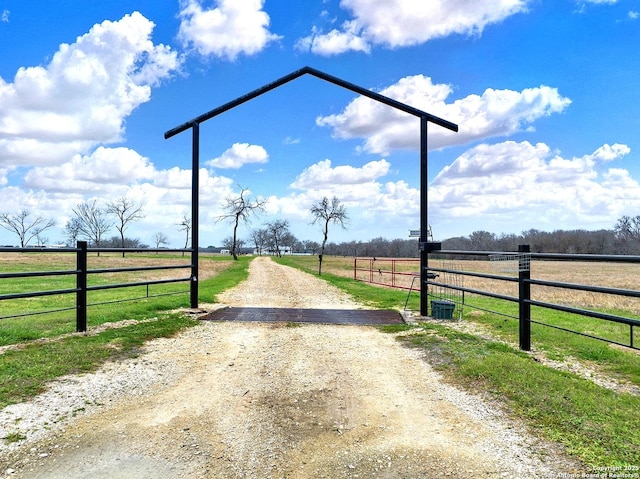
x: 234, y: 400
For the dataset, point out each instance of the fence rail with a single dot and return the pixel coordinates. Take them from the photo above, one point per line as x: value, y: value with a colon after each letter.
x: 82, y: 273
x: 525, y: 291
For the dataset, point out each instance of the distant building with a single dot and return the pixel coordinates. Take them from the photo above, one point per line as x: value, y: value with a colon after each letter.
x: 284, y: 250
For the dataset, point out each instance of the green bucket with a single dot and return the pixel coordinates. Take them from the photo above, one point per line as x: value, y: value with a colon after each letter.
x: 442, y: 309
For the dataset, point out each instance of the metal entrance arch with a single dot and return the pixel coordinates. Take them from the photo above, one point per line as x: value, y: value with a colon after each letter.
x: 425, y: 118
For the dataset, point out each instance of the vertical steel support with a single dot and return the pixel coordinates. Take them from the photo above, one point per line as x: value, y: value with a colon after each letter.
x: 195, y: 215
x: 524, y: 274
x: 81, y: 286
x: 424, y: 219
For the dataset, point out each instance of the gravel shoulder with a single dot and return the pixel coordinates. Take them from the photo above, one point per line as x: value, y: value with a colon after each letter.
x: 247, y: 400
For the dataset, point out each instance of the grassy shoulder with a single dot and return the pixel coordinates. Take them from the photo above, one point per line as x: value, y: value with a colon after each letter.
x: 25, y: 370
x: 373, y: 296
x: 622, y: 363
x: 599, y: 426
x: 234, y: 274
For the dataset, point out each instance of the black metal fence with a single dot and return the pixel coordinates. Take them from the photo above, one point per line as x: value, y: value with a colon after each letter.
x: 519, y: 263
x: 81, y: 273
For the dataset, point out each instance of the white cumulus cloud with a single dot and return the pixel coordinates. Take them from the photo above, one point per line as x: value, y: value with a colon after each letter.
x: 238, y: 155
x: 323, y: 175
x: 83, y: 96
x: 514, y: 184
x: 92, y: 173
x: 232, y: 28
x: 336, y: 41
x: 360, y: 188
x: 401, y: 23
x: 494, y: 113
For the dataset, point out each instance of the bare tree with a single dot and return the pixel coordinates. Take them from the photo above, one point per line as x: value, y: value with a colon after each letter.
x: 327, y: 212
x: 259, y: 239
x: 288, y: 241
x: 126, y: 211
x: 72, y: 231
x: 277, y: 234
x: 41, y: 240
x: 91, y: 222
x: 238, y: 209
x: 23, y: 225
x: 310, y: 245
x: 228, y: 243
x: 628, y: 228
x: 160, y: 239
x: 185, y: 225
x: 115, y: 242
x: 482, y: 240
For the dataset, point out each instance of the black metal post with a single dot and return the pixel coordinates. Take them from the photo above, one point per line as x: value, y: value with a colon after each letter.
x: 81, y: 285
x: 524, y: 274
x: 195, y: 189
x: 424, y: 219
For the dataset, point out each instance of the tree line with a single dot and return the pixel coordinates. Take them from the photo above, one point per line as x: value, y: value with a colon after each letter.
x: 623, y: 239
x: 93, y: 222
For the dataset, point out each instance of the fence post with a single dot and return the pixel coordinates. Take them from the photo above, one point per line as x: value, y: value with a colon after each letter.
x: 393, y: 273
x: 81, y: 285
x: 524, y: 295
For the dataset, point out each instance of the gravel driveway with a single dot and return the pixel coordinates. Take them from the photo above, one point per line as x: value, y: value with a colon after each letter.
x: 255, y: 400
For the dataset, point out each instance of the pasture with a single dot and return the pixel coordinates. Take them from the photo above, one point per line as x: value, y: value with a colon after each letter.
x: 46, y: 316
x: 116, y: 304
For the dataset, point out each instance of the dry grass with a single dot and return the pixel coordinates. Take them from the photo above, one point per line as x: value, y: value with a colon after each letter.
x: 208, y: 267
x: 612, y: 275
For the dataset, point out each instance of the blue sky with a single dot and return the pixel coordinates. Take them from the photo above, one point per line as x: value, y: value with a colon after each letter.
x: 545, y: 93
